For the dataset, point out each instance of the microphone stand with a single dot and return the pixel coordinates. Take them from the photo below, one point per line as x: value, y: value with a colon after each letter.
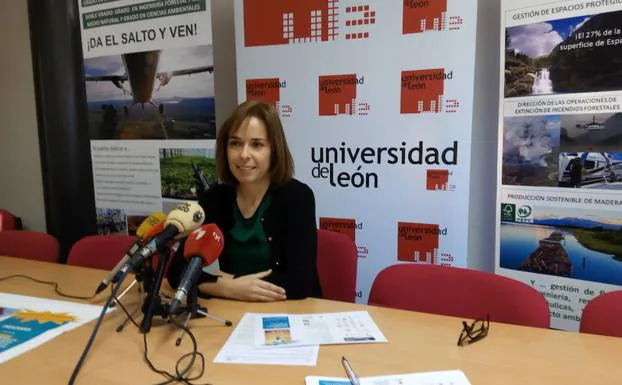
x: 143, y: 275
x: 194, y: 310
x: 153, y: 302
x: 127, y: 317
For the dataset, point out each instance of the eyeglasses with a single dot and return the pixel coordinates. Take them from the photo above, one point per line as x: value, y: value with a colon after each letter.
x: 474, y: 332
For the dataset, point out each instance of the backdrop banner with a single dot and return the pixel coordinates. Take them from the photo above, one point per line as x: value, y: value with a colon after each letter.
x: 559, y: 227
x: 150, y: 91
x: 376, y: 98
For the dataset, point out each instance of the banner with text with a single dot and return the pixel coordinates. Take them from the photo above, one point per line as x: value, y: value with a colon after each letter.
x: 150, y: 91
x: 559, y: 226
x: 376, y: 98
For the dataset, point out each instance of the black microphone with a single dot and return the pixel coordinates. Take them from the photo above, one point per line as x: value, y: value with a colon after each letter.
x: 202, y: 248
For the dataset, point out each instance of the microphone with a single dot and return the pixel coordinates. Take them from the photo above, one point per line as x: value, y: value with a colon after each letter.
x: 152, y: 220
x: 184, y: 218
x: 202, y: 248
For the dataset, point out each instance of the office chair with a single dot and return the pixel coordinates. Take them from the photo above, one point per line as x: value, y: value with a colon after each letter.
x: 99, y: 251
x: 336, y: 265
x: 459, y: 292
x: 603, y: 315
x: 29, y: 244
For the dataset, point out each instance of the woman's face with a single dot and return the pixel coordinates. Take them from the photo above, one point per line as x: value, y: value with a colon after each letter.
x: 248, y: 152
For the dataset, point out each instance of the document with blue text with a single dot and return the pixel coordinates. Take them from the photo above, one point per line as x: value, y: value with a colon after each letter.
x: 277, y: 330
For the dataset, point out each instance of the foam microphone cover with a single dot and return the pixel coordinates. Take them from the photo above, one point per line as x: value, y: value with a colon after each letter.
x: 206, y: 242
x: 187, y: 216
x: 155, y: 230
x: 152, y: 220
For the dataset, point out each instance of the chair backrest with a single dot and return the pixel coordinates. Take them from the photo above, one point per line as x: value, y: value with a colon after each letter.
x: 336, y: 265
x: 458, y: 292
x: 30, y: 245
x: 99, y: 251
x: 8, y: 221
x: 603, y: 315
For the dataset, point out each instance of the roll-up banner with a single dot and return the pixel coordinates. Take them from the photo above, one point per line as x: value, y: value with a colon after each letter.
x: 376, y: 97
x: 559, y: 222
x: 149, y: 79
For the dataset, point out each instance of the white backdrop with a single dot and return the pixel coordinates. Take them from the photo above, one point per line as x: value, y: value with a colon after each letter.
x: 386, y: 206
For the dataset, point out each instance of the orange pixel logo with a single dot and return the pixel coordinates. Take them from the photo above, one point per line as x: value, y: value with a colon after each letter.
x: 338, y: 95
x: 340, y: 225
x: 424, y: 15
x: 369, y: 17
x: 437, y: 180
x: 279, y: 22
x: 423, y: 91
x: 418, y: 242
x: 269, y: 91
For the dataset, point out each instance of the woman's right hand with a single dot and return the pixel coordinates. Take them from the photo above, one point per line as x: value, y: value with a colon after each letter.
x: 253, y: 288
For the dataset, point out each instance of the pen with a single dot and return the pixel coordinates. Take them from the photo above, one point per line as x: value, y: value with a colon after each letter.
x: 354, y: 379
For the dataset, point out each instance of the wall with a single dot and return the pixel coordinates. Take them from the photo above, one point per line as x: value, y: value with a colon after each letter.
x: 21, y: 190
x: 225, y: 80
x: 482, y: 202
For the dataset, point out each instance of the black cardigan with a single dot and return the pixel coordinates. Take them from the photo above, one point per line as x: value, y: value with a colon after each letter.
x: 289, y: 225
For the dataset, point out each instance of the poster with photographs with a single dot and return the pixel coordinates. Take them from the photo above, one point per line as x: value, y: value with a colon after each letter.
x: 149, y: 80
x: 560, y: 152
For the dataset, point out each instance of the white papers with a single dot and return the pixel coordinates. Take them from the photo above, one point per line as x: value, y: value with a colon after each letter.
x: 27, y: 322
x: 239, y: 349
x: 449, y: 377
x: 275, y: 330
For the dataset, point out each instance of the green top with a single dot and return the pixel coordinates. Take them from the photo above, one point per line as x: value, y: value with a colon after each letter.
x: 247, y: 250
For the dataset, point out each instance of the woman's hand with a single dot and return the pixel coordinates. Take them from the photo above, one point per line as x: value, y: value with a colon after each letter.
x: 253, y: 288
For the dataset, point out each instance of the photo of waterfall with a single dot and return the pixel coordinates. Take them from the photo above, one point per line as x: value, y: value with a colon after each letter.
x: 578, y: 54
x: 542, y: 83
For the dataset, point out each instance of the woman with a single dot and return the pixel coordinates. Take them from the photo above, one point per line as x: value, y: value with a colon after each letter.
x: 267, y: 216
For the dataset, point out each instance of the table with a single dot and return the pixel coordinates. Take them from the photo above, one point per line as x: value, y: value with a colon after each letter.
x: 509, y: 355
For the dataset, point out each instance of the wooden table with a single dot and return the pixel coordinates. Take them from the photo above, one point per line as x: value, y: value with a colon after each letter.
x: 417, y: 342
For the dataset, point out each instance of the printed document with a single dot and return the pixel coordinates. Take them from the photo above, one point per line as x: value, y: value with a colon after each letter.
x: 448, y: 377
x: 240, y: 349
x: 27, y: 322
x: 274, y: 330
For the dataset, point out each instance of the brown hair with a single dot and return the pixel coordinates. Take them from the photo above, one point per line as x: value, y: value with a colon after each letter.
x: 281, y: 161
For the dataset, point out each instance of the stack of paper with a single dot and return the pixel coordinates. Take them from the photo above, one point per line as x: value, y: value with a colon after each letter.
x: 27, y: 322
x: 294, y: 339
x: 240, y: 349
x: 450, y: 377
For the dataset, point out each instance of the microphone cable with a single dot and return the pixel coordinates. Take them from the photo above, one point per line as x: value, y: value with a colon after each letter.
x: 76, y: 370
x: 54, y: 284
x: 180, y: 374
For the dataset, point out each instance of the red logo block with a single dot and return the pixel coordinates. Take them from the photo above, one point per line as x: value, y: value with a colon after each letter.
x: 338, y: 94
x: 424, y: 15
x: 279, y: 22
x: 417, y: 242
x: 437, y: 180
x: 340, y: 225
x: 269, y: 91
x: 422, y: 91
